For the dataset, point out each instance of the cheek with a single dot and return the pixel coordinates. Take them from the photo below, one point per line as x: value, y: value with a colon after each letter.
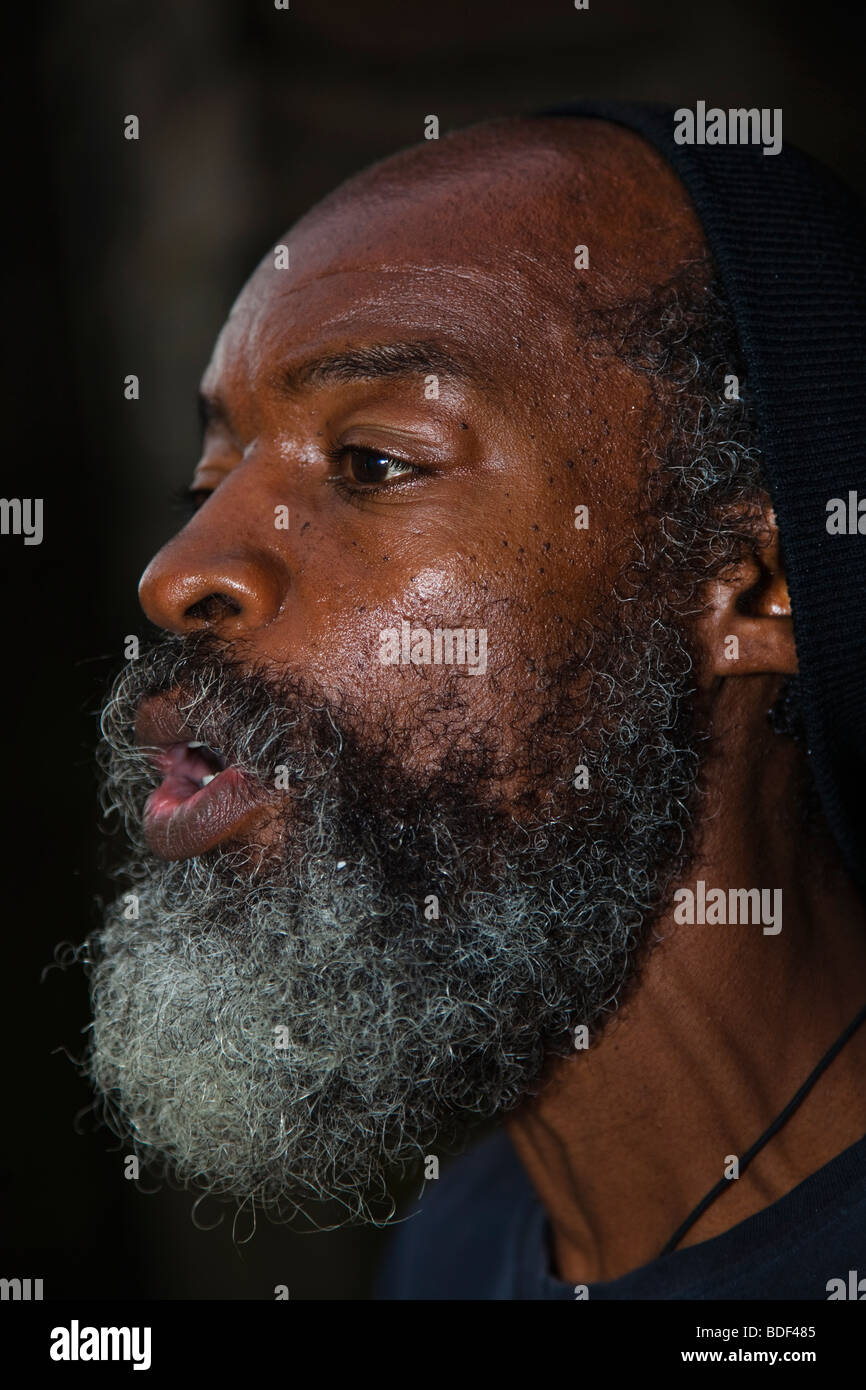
x: 434, y: 658
x: 429, y: 676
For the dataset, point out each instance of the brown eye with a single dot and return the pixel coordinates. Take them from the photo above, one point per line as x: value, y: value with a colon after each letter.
x: 370, y: 467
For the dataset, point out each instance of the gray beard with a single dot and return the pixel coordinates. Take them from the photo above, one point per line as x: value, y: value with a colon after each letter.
x: 399, y: 1027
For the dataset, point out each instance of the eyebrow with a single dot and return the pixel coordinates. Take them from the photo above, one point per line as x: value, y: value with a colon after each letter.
x: 209, y: 408
x: 417, y: 357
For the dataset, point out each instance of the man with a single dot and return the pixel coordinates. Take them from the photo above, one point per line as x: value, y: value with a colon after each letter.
x: 462, y: 798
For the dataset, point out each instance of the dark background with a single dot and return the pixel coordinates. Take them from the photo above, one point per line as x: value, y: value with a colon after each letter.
x: 125, y: 257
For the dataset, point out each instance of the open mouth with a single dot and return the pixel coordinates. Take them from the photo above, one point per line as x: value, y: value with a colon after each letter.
x: 187, y: 768
x: 201, y: 801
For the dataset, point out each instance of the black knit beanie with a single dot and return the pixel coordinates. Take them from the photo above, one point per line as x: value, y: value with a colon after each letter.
x: 788, y: 241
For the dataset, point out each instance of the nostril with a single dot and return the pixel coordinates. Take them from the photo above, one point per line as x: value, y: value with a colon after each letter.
x: 212, y: 608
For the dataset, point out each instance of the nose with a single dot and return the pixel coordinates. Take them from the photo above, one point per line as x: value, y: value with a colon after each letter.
x: 198, y: 581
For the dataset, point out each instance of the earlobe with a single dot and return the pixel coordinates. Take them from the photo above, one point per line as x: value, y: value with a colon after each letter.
x: 747, y: 628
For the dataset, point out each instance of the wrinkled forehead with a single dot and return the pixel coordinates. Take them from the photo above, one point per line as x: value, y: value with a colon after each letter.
x: 502, y: 237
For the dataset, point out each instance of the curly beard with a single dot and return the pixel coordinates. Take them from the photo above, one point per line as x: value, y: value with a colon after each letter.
x: 298, y: 1030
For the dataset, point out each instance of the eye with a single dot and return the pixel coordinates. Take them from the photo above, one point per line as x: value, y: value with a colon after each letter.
x: 371, y: 468
x: 188, y: 500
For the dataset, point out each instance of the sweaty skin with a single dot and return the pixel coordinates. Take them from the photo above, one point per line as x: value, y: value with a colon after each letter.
x: 464, y: 250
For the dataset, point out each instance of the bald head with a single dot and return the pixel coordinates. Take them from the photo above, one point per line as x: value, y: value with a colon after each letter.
x: 512, y: 198
x: 477, y: 233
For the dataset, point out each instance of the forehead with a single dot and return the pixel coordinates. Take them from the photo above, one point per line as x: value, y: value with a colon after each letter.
x: 472, y: 241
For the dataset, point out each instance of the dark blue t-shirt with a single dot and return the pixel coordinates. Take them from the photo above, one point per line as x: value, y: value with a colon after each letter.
x: 480, y: 1232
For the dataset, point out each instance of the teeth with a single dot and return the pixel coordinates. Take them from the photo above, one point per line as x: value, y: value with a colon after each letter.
x: 204, y: 781
x: 195, y: 745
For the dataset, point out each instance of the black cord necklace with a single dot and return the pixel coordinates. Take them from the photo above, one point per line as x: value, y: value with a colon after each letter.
x: 768, y: 1134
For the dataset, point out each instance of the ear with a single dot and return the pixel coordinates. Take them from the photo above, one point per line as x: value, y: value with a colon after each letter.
x: 746, y: 628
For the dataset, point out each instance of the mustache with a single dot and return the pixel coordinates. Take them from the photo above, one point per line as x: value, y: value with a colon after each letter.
x: 335, y: 756
x: 256, y: 720
x: 245, y: 712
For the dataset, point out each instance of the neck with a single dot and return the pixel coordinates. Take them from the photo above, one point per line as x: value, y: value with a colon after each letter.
x: 724, y: 1024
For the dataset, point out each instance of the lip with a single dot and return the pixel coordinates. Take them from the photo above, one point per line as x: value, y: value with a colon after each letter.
x: 181, y: 818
